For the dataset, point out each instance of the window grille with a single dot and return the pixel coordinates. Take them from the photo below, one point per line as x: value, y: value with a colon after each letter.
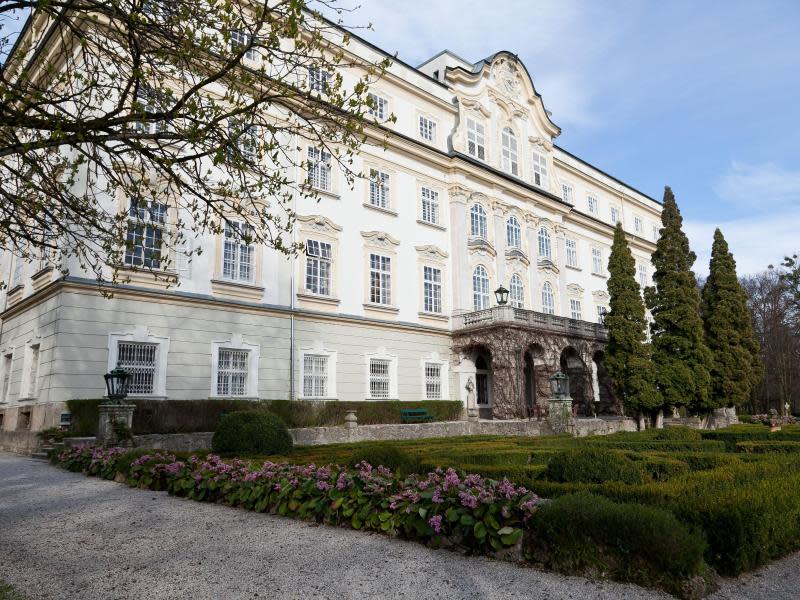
x: 433, y: 381
x: 232, y: 372
x: 139, y: 360
x: 379, y: 377
x: 315, y: 376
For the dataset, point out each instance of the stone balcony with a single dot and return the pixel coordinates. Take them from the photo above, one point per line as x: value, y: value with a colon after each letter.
x: 508, y: 315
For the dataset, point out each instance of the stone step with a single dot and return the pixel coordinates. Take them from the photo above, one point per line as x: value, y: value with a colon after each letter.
x: 40, y: 455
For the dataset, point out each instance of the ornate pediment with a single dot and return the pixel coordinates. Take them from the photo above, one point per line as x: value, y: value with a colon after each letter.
x: 573, y: 289
x: 474, y: 105
x: 431, y: 252
x: 481, y: 245
x: 319, y: 223
x: 380, y: 239
x: 516, y: 254
x: 601, y: 296
x: 547, y: 265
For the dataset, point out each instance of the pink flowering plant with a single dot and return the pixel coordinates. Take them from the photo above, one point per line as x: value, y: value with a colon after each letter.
x: 443, y: 507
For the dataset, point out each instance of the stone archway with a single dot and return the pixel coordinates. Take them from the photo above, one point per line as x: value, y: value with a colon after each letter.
x: 575, y: 369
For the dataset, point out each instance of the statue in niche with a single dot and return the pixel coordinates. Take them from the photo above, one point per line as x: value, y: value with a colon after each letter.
x: 470, y: 387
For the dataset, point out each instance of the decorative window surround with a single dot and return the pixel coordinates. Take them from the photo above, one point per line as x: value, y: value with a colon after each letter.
x: 444, y: 376
x: 141, y: 334
x: 373, y: 363
x: 322, y: 230
x: 236, y: 342
x: 29, y: 386
x: 317, y: 350
x: 8, y: 370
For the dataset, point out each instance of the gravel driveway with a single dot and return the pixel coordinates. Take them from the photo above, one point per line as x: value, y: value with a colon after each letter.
x: 63, y: 535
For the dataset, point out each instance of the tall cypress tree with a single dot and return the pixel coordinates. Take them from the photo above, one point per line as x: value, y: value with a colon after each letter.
x: 628, y: 357
x: 682, y: 359
x: 728, y: 324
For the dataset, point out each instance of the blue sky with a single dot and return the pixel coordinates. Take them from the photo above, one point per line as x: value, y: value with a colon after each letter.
x: 702, y: 96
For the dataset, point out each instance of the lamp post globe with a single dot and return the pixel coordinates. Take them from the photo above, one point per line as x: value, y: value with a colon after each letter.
x: 117, y: 384
x: 501, y: 294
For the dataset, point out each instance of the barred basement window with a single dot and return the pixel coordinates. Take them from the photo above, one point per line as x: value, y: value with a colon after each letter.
x: 433, y: 381
x: 430, y: 205
x: 232, y: 372
x: 378, y: 188
x: 380, y: 283
x: 315, y: 376
x: 379, y: 378
x: 319, y: 169
x: 139, y: 360
x: 318, y: 267
x: 432, y: 290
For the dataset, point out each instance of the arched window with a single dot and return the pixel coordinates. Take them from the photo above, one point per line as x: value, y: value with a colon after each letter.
x: 509, y: 161
x: 516, y: 293
x: 545, y: 247
x: 477, y: 219
x: 513, y: 233
x: 548, y: 302
x: 480, y: 288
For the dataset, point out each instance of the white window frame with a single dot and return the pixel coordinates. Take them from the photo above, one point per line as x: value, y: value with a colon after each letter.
x: 548, y: 299
x: 545, y: 243
x: 378, y: 196
x: 571, y: 247
x: 18, y: 271
x: 146, y: 223
x: 320, y: 173
x: 575, y: 309
x: 391, y: 363
x: 476, y: 139
x: 245, y: 137
x: 615, y: 215
x: 239, y: 39
x: 317, y: 349
x: 597, y: 261
x: 480, y: 288
x: 568, y: 193
x: 592, y: 204
x: 29, y: 386
x: 382, y: 275
x: 478, y: 222
x: 143, y: 336
x: 638, y: 224
x: 539, y: 169
x: 380, y: 111
x: 513, y: 233
x: 601, y: 312
x: 444, y: 376
x: 8, y: 371
x: 655, y: 231
x: 429, y: 204
x: 426, y: 128
x: 641, y: 270
x: 236, y: 343
x: 318, y: 79
x: 232, y: 240
x: 151, y: 101
x: 319, y: 267
x: 516, y: 291
x: 509, y: 156
x: 432, y: 289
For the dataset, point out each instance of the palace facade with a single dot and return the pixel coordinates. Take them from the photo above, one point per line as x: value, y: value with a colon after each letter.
x: 394, y: 295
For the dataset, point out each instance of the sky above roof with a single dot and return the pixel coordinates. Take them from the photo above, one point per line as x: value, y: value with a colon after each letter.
x: 701, y: 96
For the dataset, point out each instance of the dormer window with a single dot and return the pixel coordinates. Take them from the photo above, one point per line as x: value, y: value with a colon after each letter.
x: 539, y: 170
x: 476, y: 139
x: 509, y: 159
x: 478, y: 226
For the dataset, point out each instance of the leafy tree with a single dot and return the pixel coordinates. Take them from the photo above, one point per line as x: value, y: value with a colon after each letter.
x: 728, y: 324
x: 681, y: 356
x: 205, y: 105
x: 628, y: 357
x: 791, y: 278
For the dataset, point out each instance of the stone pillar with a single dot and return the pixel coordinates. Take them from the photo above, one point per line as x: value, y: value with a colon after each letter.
x: 559, y: 415
x: 111, y: 415
x: 507, y: 384
x: 462, y: 298
x: 350, y: 419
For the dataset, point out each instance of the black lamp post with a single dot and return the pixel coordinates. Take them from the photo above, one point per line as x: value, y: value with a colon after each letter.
x: 117, y: 384
x: 501, y: 294
x: 559, y: 384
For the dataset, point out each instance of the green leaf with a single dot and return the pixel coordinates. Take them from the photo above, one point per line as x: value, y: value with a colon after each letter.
x: 491, y: 522
x: 423, y: 512
x: 505, y: 531
x: 479, y: 530
x: 356, y: 522
x: 384, y: 516
x: 467, y: 520
x: 451, y: 514
x: 512, y: 538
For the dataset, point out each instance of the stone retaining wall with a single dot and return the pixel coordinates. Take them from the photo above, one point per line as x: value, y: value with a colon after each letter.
x: 19, y: 441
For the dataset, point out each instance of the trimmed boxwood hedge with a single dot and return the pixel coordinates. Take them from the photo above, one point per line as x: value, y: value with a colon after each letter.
x: 593, y: 465
x: 251, y: 432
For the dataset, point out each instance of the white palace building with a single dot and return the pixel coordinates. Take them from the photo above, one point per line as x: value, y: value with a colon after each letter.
x: 394, y: 295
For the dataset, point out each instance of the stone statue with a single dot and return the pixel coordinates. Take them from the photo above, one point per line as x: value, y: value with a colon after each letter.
x: 470, y: 387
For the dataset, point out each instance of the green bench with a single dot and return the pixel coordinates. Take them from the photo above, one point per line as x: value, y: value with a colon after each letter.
x: 415, y: 415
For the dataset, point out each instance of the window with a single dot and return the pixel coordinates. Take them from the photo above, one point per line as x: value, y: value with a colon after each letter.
x: 19, y: 269
x: 597, y: 261
x: 149, y: 101
x: 315, y: 376
x: 601, y: 314
x: 7, y: 360
x: 477, y: 220
x: 548, y: 301
x: 567, y: 193
x: 545, y: 247
x: 241, y: 40
x: 516, y: 293
x: 539, y: 170
x: 318, y: 80
x: 432, y: 289
x: 433, y: 381
x: 319, y: 168
x: 380, y: 283
x: 591, y: 203
x: 33, y: 372
x: 508, y: 156
x: 380, y: 107
x: 480, y: 288
x: 614, y: 215
x: 427, y: 129
x: 139, y: 360
x: 572, y: 253
x: 513, y: 234
x: 318, y: 267
x: 430, y: 205
x: 637, y: 224
x: 378, y: 188
x: 232, y: 372
x: 655, y: 232
x: 379, y: 377
x: 476, y: 139
x: 146, y: 221
x: 243, y: 138
x: 237, y: 252
x: 642, y: 275
x: 575, y: 309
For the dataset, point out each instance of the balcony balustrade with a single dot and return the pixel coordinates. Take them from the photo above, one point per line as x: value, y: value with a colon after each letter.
x: 503, y: 315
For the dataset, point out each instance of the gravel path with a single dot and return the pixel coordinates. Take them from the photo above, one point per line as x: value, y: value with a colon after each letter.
x: 63, y: 535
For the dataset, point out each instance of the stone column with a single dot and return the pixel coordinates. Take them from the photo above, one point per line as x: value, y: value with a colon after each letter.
x: 115, y: 423
x: 460, y: 278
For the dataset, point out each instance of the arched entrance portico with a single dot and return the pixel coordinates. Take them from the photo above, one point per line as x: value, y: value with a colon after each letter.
x: 575, y: 369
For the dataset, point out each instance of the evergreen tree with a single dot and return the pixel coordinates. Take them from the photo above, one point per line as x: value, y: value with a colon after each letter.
x: 628, y: 357
x: 682, y: 359
x: 728, y: 325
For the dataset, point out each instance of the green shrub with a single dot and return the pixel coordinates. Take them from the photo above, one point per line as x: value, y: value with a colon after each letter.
x: 330, y: 413
x: 583, y: 532
x: 660, y: 445
x: 85, y: 414
x: 385, y: 455
x: 660, y: 469
x: 677, y: 434
x: 768, y: 447
x: 593, y: 465
x: 251, y: 432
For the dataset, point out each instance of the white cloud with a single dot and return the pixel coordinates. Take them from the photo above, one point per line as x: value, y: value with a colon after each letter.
x: 761, y: 186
